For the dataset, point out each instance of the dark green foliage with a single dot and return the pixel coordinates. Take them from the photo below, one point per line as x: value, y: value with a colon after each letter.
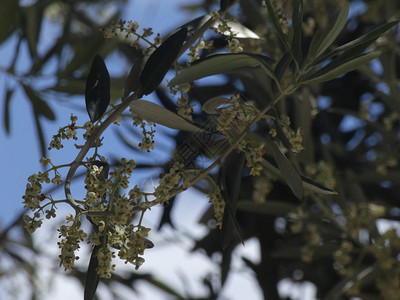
x: 97, y: 92
x: 92, y: 278
x: 160, y: 61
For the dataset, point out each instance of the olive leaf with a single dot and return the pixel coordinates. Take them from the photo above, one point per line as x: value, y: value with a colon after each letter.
x: 288, y: 172
x: 211, y: 104
x: 6, y: 112
x: 358, y: 45
x: 133, y: 80
x: 297, y: 30
x: 160, y: 115
x: 321, y: 42
x: 222, y: 64
x: 97, y: 92
x: 159, y: 62
x: 92, y: 278
x: 277, y: 26
x: 341, y: 66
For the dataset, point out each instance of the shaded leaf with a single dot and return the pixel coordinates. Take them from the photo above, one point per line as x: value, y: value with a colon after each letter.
x: 160, y: 115
x: 8, y: 17
x: 282, y: 65
x: 221, y: 64
x: 92, y: 278
x: 229, y: 180
x: 40, y: 134
x: 33, y: 22
x: 277, y: 26
x: 297, y: 30
x: 288, y: 172
x: 270, y: 207
x: 335, y: 69
x: 40, y: 107
x: 223, y: 4
x: 211, y: 104
x: 159, y: 62
x: 311, y: 185
x: 6, y: 113
x: 133, y: 80
x: 97, y: 92
x: 321, y: 42
x: 360, y: 43
x: 366, y: 274
x: 308, y: 184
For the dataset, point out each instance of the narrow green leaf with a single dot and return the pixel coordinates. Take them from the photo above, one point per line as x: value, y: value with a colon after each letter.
x: 6, y: 113
x: 288, y: 172
x: 297, y: 30
x: 328, y: 73
x: 211, y: 104
x: 370, y: 273
x: 39, y: 129
x: 282, y: 65
x: 360, y: 43
x: 133, y: 80
x: 270, y: 207
x: 221, y: 64
x: 160, y: 115
x: 97, y: 91
x: 315, y: 42
x: 40, y: 107
x: 8, y: 17
x: 229, y: 179
x: 313, y: 186
x: 33, y: 23
x: 332, y: 35
x: 159, y: 62
x: 277, y: 26
x: 92, y: 278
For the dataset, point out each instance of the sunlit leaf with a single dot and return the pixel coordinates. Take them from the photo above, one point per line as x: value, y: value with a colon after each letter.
x: 160, y: 115
x: 159, y: 62
x: 288, y: 172
x: 97, y: 92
